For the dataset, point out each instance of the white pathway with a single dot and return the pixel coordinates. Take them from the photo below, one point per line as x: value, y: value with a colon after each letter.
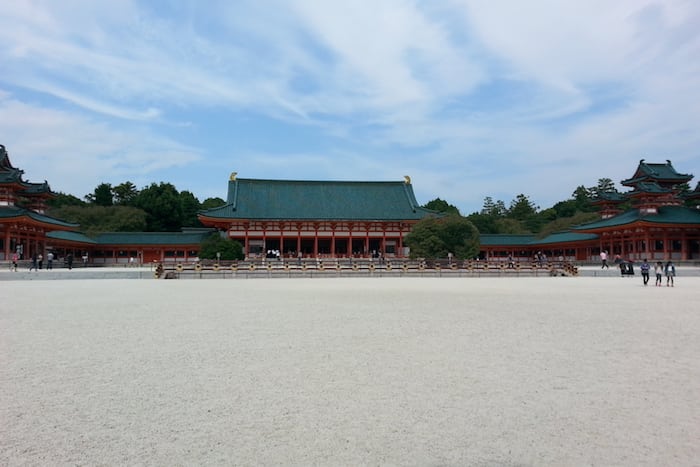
x: 350, y: 371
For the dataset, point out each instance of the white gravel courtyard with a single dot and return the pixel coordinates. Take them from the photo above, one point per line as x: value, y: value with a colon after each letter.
x: 540, y: 371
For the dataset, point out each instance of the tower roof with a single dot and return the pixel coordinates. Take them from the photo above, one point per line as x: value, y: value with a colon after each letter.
x: 652, y: 172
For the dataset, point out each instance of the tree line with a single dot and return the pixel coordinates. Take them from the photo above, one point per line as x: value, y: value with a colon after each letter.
x: 459, y: 235
x: 161, y: 208
x: 158, y: 207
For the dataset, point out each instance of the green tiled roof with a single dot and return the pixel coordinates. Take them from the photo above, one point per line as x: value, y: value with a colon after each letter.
x: 565, y: 237
x: 610, y: 196
x: 34, y: 188
x: 67, y: 235
x: 665, y: 215
x: 649, y: 171
x: 505, y: 239
x: 649, y: 187
x: 9, y: 212
x: 530, y: 240
x: 322, y: 200
x: 151, y: 238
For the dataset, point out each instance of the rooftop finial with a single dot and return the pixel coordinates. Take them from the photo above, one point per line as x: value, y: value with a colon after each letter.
x: 407, y: 179
x: 233, y: 176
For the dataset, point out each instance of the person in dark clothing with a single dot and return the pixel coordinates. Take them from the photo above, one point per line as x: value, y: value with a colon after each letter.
x: 645, y: 271
x: 69, y: 260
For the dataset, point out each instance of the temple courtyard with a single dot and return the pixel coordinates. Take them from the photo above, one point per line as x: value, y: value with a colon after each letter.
x: 350, y: 371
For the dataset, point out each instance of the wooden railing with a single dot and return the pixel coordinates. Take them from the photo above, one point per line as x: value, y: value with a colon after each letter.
x: 359, y: 267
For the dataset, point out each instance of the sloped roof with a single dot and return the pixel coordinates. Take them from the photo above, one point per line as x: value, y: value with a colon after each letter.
x: 9, y: 175
x: 531, y: 240
x: 608, y: 197
x: 565, y: 237
x: 152, y: 238
x: 665, y: 215
x: 67, y: 235
x: 9, y: 212
x: 650, y: 188
x: 656, y: 172
x: 505, y: 239
x: 36, y: 188
x: 319, y: 200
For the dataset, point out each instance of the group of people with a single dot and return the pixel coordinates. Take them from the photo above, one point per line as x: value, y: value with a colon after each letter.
x: 37, y: 261
x: 668, y: 270
x: 660, y: 270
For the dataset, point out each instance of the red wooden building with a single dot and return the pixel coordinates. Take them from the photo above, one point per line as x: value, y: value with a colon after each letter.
x: 318, y: 218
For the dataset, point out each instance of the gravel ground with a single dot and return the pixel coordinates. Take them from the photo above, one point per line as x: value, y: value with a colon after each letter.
x: 350, y: 371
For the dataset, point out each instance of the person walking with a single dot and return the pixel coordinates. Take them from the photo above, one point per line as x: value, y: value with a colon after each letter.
x: 658, y: 270
x: 604, y: 259
x: 33, y: 265
x: 645, y: 271
x: 69, y: 260
x: 15, y: 258
x: 670, y: 271
x: 49, y: 260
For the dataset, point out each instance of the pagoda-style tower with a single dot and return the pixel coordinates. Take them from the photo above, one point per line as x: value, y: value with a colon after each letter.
x: 23, y: 222
x: 16, y: 192
x: 608, y: 203
x: 655, y: 185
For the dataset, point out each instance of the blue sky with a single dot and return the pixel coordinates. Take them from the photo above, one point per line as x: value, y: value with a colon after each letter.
x: 469, y: 98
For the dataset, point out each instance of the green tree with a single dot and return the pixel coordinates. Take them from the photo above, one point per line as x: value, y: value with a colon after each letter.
x: 485, y: 223
x: 605, y: 185
x: 436, y: 237
x: 190, y: 207
x: 521, y: 208
x: 494, y: 208
x: 63, y: 199
x: 94, y: 219
x: 443, y: 206
x: 565, y: 223
x: 162, y: 205
x: 211, y: 203
x: 125, y: 193
x: 102, y: 196
x: 511, y: 226
x: 215, y: 243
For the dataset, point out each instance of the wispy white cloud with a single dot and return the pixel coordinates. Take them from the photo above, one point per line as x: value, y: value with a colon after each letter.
x: 473, y: 96
x: 77, y: 153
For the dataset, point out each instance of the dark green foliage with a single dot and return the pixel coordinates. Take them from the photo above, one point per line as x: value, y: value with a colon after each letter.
x: 485, y: 223
x: 163, y: 207
x: 441, y: 206
x: 102, y: 196
x: 125, y: 193
x: 98, y: 219
x: 190, y: 207
x: 436, y: 237
x: 605, y: 185
x: 215, y: 243
x: 62, y: 199
x: 564, y: 223
x: 494, y: 208
x: 211, y: 203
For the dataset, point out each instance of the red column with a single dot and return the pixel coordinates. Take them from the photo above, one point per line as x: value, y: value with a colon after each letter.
x: 315, y: 241
x: 332, y: 242
x: 7, y: 243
